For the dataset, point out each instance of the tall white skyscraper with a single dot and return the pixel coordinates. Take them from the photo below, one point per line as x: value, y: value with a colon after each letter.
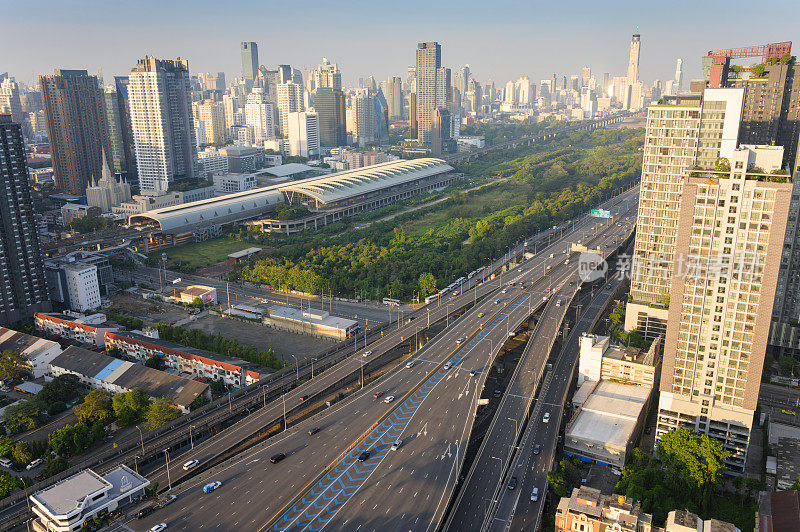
x: 678, y: 75
x: 510, y: 93
x: 258, y: 115
x: 290, y: 100
x: 303, y: 134
x: 633, y: 60
x: 162, y: 122
x: 522, y: 87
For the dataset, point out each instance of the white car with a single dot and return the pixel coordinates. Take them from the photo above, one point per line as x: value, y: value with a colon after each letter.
x: 448, y: 366
x: 190, y: 464
x: 504, y: 290
x: 35, y: 463
x: 366, y: 353
x: 546, y: 417
x: 396, y: 445
x: 535, y: 494
x: 159, y: 527
x: 410, y: 364
x: 389, y: 399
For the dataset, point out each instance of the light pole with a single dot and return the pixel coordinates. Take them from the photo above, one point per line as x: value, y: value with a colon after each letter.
x: 141, y: 438
x: 312, y: 367
x: 191, y: 440
x: 284, y: 410
x: 516, y: 427
x: 297, y: 367
x: 169, y: 480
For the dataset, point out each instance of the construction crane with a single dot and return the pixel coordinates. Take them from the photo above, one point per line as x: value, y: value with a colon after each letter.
x: 720, y: 59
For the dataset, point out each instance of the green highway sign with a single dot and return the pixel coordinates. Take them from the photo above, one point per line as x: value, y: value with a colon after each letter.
x: 600, y: 213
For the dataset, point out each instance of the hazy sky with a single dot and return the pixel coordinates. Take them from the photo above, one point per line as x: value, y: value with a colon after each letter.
x: 500, y: 40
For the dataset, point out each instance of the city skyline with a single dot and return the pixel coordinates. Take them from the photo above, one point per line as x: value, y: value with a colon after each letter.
x: 587, y: 35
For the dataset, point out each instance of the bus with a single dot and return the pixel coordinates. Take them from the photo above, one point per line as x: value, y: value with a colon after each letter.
x: 391, y: 302
x: 431, y: 298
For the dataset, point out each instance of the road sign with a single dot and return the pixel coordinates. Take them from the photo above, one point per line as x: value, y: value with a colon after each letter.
x: 601, y: 213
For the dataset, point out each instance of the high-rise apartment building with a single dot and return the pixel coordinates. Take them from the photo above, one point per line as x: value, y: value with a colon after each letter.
x: 327, y: 75
x: 10, y: 102
x: 365, y: 124
x: 462, y: 79
x: 249, y: 60
x: 394, y: 97
x: 442, y: 132
x: 303, y: 134
x: 433, y: 87
x: 258, y: 115
x: 633, y: 60
x: 212, y: 114
x: 162, y: 122
x: 23, y: 286
x: 586, y: 74
x: 678, y: 75
x: 76, y: 128
x: 290, y: 100
x: 681, y: 132
x: 729, y: 242
x: 330, y: 106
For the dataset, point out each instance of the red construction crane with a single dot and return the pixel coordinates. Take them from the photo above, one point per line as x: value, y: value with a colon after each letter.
x: 720, y: 59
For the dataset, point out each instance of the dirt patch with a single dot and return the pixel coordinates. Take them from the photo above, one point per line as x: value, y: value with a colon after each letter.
x: 262, y: 337
x: 217, y: 271
x: 149, y: 311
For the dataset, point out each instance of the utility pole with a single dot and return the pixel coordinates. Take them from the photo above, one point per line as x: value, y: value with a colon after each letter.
x: 169, y: 480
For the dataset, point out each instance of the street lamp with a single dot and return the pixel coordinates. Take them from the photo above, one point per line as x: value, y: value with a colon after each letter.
x: 191, y: 440
x: 297, y: 366
x: 169, y: 480
x: 141, y: 438
x: 312, y: 366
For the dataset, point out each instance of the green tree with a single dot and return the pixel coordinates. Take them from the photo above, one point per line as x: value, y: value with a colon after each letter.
x: 787, y: 365
x: 6, y: 446
x: 427, y: 284
x: 24, y: 416
x: 61, y: 388
x: 722, y: 164
x: 155, y: 362
x: 695, y: 458
x: 618, y: 314
x: 7, y: 484
x: 130, y: 407
x: 21, y: 453
x: 161, y: 411
x: 12, y: 365
x: 557, y: 483
x: 54, y: 466
x: 96, y: 406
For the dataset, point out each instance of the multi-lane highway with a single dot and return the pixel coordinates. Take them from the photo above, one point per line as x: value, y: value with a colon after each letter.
x: 322, y: 482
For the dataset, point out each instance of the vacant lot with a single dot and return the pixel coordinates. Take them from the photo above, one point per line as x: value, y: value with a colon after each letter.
x: 201, y: 254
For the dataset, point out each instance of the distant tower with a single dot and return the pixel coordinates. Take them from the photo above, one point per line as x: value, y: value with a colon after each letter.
x: 633, y: 61
x: 678, y: 74
x: 249, y: 60
x: 433, y: 87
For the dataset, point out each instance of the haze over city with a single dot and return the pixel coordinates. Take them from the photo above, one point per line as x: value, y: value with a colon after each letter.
x: 391, y: 267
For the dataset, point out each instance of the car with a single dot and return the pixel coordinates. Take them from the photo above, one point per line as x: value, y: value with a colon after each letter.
x: 519, y: 270
x: 159, y: 527
x: 496, y: 301
x: 504, y: 290
x: 377, y: 395
x: 472, y: 373
x: 537, y: 449
x: 512, y: 483
x: 458, y: 342
x: 366, y: 353
x: 535, y: 494
x: 480, y: 314
x: 497, y: 393
x: 448, y: 366
x: 396, y: 445
x: 549, y: 267
x: 304, y: 398
x: 275, y: 458
x: 410, y: 364
x: 363, y: 456
x: 552, y: 255
x: 211, y: 486
x: 190, y: 464
x: 144, y: 512
x: 566, y: 261
x: 572, y: 283
x: 546, y: 290
x: 313, y: 430
x: 35, y: 463
x: 389, y: 399
x: 546, y: 417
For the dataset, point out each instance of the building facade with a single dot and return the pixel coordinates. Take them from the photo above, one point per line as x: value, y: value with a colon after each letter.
x: 249, y: 60
x: 588, y: 510
x: 107, y: 192
x: 329, y: 104
x: 23, y: 288
x: 76, y: 127
x: 258, y: 112
x: 290, y: 100
x: 161, y: 122
x: 304, y: 134
x: 433, y: 88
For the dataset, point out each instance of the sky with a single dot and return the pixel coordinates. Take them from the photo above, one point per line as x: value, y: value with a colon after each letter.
x: 499, y: 40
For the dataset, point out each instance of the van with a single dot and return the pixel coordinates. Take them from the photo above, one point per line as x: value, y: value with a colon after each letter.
x: 35, y: 463
x: 535, y: 494
x: 5, y: 462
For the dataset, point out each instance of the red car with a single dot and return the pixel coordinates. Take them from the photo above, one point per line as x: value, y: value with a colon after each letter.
x: 377, y: 395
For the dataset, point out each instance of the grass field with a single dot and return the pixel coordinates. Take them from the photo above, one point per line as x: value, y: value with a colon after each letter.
x: 201, y: 254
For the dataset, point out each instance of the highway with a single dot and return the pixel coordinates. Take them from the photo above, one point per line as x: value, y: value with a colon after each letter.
x: 487, y: 475
x: 318, y: 459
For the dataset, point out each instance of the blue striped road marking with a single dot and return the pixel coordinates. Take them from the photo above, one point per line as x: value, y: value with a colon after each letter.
x: 320, y: 503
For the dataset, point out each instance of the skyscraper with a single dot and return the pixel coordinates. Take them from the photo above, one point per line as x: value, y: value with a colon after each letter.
x: 433, y: 87
x: 394, y: 97
x: 330, y: 106
x: 586, y: 74
x: 76, y: 128
x: 728, y: 250
x: 290, y: 100
x: 23, y: 287
x: 10, y: 102
x: 284, y: 74
x: 258, y: 115
x: 681, y: 132
x: 162, y: 122
x: 212, y: 114
x: 678, y: 74
x: 365, y: 122
x: 249, y: 61
x: 633, y: 60
x: 303, y: 134
x: 327, y: 75
x: 462, y: 78
x: 441, y: 132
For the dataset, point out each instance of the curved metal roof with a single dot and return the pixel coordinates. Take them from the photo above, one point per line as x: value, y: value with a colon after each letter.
x: 345, y: 185
x: 223, y: 209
